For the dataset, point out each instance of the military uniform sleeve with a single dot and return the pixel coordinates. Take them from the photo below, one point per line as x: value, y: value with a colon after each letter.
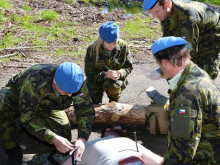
x: 28, y: 104
x: 84, y: 111
x: 127, y: 68
x: 183, y: 24
x: 184, y: 129
x: 90, y: 67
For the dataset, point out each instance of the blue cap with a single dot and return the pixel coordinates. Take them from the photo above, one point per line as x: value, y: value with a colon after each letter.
x: 109, y: 32
x: 69, y: 77
x: 167, y: 42
x: 149, y: 4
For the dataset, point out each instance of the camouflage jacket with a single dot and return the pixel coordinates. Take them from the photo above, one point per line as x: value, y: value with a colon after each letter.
x: 37, y: 97
x: 194, y: 124
x: 198, y: 23
x: 119, y: 60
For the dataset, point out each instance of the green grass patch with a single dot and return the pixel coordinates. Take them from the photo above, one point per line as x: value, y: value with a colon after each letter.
x: 8, y: 59
x: 5, y: 4
x: 49, y: 15
x: 9, y: 40
x: 80, y: 51
x: 27, y: 8
x: 64, y: 52
x: 63, y: 31
x: 138, y: 28
x: 216, y: 2
x: 2, y: 16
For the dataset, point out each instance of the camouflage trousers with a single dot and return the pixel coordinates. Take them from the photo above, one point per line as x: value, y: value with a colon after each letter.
x: 112, y: 88
x: 56, y: 121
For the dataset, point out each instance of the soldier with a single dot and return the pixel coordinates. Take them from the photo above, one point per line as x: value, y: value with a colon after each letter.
x: 194, y: 121
x: 107, y: 64
x: 197, y: 22
x: 38, y: 96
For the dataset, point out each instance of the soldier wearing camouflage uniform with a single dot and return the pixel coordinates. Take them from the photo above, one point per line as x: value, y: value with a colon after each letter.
x: 194, y: 121
x: 38, y: 97
x: 107, y: 64
x: 198, y: 23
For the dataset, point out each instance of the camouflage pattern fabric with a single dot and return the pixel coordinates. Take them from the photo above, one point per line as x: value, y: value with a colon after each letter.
x: 95, y: 72
x: 194, y: 124
x: 31, y: 96
x: 201, y: 26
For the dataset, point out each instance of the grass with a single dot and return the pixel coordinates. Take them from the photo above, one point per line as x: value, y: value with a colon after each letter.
x: 49, y: 15
x: 215, y: 2
x: 46, y: 28
x: 58, y: 30
x: 27, y: 8
x: 5, y: 4
x: 134, y: 28
x: 2, y: 16
x: 9, y: 40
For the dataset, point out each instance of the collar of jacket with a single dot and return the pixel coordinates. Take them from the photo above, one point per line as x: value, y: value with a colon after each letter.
x: 185, y: 72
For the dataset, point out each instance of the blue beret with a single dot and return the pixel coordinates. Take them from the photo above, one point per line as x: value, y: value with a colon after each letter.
x: 69, y: 77
x: 109, y: 32
x: 167, y: 42
x: 148, y: 4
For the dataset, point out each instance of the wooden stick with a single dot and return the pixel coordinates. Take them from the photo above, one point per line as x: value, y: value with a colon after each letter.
x: 135, y: 138
x: 9, y: 55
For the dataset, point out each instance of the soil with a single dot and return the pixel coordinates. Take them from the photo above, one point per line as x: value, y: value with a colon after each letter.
x: 91, y: 17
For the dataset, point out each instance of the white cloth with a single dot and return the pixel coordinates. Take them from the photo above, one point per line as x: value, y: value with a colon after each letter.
x: 110, y: 150
x: 155, y: 74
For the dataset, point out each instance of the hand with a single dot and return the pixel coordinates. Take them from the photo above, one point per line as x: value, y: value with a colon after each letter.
x: 112, y: 74
x: 62, y: 144
x: 80, y: 147
x: 155, y: 74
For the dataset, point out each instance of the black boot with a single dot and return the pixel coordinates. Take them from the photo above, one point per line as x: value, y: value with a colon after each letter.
x: 15, y: 155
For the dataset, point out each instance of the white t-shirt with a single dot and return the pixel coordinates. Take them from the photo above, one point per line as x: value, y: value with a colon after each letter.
x: 110, y: 150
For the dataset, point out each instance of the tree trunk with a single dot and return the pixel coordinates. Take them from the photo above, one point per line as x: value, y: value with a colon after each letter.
x: 115, y: 113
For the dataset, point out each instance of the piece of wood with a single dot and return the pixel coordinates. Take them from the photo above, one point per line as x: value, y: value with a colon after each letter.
x: 115, y: 113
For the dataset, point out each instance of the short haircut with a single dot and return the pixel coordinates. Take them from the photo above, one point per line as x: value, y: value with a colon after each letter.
x: 175, y: 55
x: 162, y: 2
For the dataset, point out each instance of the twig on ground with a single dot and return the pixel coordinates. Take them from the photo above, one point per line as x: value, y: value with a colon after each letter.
x: 23, y: 54
x: 9, y: 55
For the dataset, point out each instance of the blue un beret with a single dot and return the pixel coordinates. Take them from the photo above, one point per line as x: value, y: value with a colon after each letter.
x: 167, y: 42
x: 109, y: 32
x: 69, y: 77
x: 148, y: 4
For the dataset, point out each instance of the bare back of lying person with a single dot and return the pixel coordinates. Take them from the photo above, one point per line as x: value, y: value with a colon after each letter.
x: 116, y: 149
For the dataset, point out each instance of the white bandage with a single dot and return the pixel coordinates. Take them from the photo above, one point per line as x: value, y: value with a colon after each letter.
x: 155, y: 74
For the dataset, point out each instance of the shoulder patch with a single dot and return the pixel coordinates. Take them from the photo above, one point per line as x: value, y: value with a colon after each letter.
x: 182, y: 111
x: 81, y: 95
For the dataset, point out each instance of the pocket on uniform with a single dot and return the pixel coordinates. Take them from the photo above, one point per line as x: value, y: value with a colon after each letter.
x: 182, y: 125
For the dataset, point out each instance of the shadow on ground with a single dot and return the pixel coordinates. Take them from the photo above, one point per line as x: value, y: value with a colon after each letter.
x: 37, y: 147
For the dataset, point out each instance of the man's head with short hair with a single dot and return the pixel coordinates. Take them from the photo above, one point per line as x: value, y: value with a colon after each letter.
x: 172, y: 49
x: 149, y: 4
x: 171, y: 54
x: 160, y: 9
